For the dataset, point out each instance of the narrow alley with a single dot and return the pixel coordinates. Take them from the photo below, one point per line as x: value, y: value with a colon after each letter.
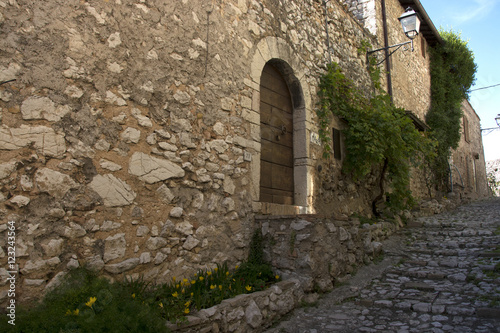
x: 439, y: 274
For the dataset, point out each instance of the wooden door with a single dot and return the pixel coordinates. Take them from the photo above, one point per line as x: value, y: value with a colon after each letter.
x: 276, y: 124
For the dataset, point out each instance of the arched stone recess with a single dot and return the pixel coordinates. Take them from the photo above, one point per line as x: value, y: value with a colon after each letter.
x: 278, y: 53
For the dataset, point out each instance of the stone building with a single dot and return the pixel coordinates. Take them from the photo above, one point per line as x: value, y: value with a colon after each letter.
x: 145, y: 136
x: 468, y: 166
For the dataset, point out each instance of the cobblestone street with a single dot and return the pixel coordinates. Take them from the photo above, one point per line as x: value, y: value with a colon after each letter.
x: 439, y: 274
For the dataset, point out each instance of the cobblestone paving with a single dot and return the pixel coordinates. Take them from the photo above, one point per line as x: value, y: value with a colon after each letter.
x: 441, y: 275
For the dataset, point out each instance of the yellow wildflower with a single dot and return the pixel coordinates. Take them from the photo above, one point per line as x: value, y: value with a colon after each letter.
x: 187, y: 304
x: 220, y: 287
x: 212, y: 287
x: 277, y: 277
x: 133, y: 295
x: 236, y: 267
x: 193, y: 281
x: 173, y: 278
x: 76, y: 312
x: 185, y: 281
x: 183, y: 291
x: 91, y: 301
x: 186, y: 310
x: 216, y: 269
x: 248, y: 288
x: 177, y: 286
x: 160, y: 305
x: 201, y: 278
x: 209, y: 273
x: 227, y: 273
x: 175, y: 294
x: 68, y: 312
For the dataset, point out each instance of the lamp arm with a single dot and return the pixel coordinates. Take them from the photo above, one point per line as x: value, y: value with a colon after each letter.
x: 390, y: 47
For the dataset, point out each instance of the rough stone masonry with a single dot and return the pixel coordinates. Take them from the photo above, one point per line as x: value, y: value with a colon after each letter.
x: 130, y: 133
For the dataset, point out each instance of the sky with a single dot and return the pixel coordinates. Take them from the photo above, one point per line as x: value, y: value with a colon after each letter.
x: 476, y: 20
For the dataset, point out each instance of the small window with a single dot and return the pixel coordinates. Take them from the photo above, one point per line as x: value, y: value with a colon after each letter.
x: 466, y: 130
x: 337, y: 146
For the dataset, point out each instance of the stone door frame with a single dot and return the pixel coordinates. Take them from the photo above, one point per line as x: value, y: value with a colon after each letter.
x: 281, y: 55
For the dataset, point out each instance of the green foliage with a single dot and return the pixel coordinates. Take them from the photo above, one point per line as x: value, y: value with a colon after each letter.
x: 86, y: 303
x: 452, y: 74
x: 378, y: 135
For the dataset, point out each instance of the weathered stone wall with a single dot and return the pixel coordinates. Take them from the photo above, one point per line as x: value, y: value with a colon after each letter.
x: 130, y: 138
x: 468, y: 164
x: 321, y: 252
x: 245, y: 313
x: 130, y: 129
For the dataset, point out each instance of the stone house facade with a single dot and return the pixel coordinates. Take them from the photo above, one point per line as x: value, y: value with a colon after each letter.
x: 468, y: 166
x: 144, y: 136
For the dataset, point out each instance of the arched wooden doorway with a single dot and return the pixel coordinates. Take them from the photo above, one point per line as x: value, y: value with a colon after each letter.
x: 276, y: 124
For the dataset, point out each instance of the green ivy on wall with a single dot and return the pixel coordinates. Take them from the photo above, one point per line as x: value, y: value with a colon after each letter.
x: 378, y: 136
x: 452, y: 74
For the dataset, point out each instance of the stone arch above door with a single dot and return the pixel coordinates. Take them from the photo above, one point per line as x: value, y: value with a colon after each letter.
x: 277, y: 52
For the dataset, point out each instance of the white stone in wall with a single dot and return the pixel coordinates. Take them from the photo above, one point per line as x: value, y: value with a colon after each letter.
x: 165, y: 193
x: 185, y: 228
x: 102, y: 145
x: 142, y: 231
x: 53, y: 182
x: 114, y: 67
x: 131, y: 135
x: 74, y: 230
x: 73, y: 92
x: 179, y: 125
x: 114, y: 40
x: 114, y: 247
x: 228, y: 185
x: 151, y: 169
x: 20, y: 200
x: 154, y: 243
x: 94, y: 263
x: 145, y: 258
x: 53, y: 247
x: 9, y: 73
x: 42, y: 108
x: 123, y: 266
x: 7, y: 168
x: 99, y: 17
x: 108, y: 165
x: 190, y: 243
x: 112, y: 98
x: 109, y: 225
x: 159, y: 258
x: 182, y: 97
x: 114, y: 191
x: 44, y: 139
x: 142, y: 120
x: 176, y: 212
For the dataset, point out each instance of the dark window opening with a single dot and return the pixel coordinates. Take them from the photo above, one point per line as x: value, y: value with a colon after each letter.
x: 337, y: 146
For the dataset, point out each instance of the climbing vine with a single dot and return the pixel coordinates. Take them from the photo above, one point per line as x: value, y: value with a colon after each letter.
x: 452, y: 74
x: 378, y: 136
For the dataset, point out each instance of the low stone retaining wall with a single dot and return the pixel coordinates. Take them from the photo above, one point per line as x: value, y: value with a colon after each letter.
x: 321, y: 251
x: 245, y: 313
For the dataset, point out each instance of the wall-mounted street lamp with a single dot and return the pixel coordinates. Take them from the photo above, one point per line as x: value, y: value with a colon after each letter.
x: 410, y: 21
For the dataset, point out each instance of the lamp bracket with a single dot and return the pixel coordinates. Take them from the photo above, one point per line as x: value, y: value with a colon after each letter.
x: 397, y: 46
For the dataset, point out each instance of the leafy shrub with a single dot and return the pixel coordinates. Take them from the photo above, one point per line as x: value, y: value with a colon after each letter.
x: 87, y: 303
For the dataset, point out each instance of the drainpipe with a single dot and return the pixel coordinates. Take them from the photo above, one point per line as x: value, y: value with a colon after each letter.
x: 386, y: 45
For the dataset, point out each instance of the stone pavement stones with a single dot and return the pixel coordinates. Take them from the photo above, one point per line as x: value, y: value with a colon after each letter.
x: 441, y: 275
